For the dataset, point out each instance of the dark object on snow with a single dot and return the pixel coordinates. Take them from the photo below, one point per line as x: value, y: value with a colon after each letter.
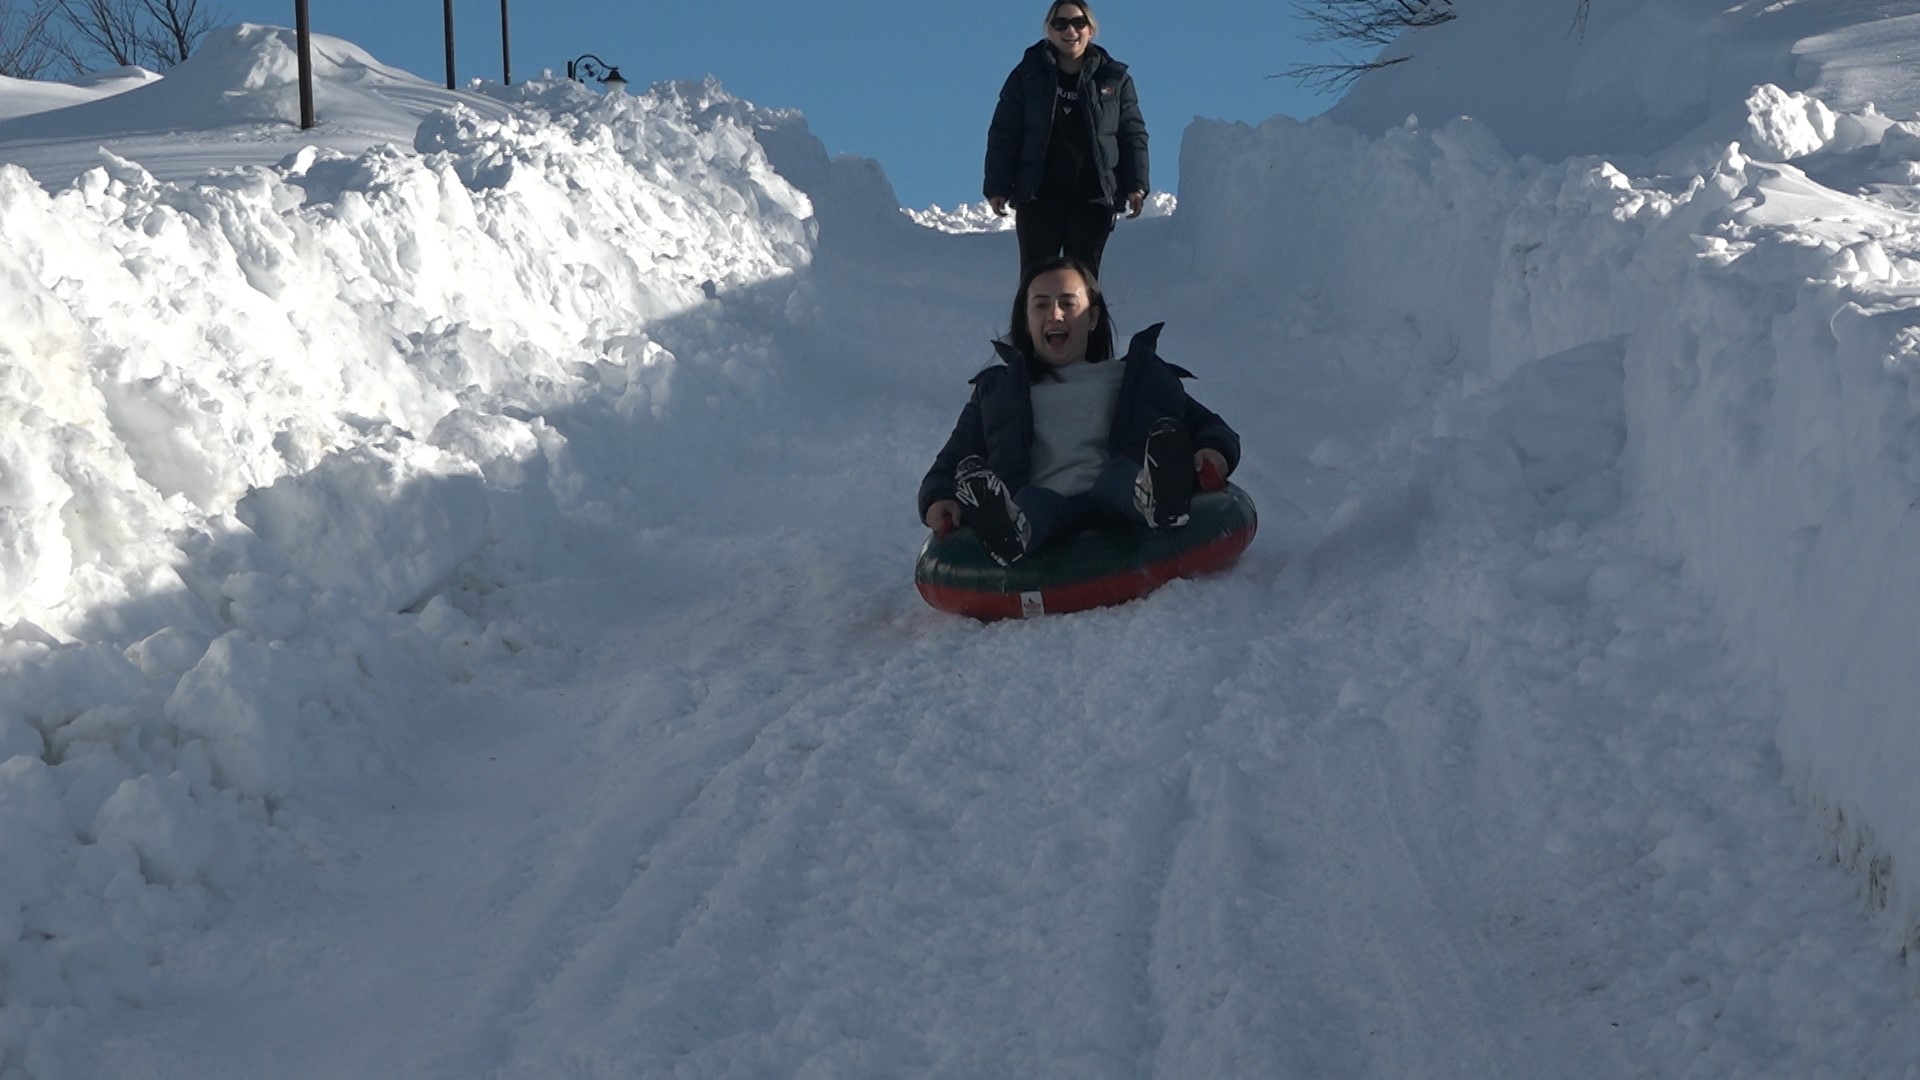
x: 1094, y: 568
x: 998, y: 523
x: 1165, y: 486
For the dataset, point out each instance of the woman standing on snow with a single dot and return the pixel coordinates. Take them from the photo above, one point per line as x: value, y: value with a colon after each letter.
x: 1067, y: 147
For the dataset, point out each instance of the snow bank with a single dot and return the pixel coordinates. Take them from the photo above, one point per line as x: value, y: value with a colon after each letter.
x: 252, y: 430
x: 238, y: 74
x: 1773, y: 313
x: 1631, y: 80
x: 1768, y: 306
x: 190, y: 344
x: 23, y: 97
x: 1400, y: 227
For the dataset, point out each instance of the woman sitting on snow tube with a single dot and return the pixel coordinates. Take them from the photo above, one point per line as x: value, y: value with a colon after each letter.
x: 1060, y: 435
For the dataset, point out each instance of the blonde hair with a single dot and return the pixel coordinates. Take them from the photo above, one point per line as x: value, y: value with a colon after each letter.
x: 1093, y: 24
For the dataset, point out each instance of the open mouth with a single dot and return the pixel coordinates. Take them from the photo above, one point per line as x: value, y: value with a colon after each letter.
x: 1055, y: 337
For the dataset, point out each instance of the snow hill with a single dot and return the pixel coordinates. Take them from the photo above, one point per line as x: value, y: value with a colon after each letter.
x: 456, y: 620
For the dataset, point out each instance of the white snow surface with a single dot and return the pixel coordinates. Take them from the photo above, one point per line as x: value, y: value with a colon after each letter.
x: 456, y: 613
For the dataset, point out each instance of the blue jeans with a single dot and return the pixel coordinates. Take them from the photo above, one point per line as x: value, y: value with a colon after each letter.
x: 1051, y: 514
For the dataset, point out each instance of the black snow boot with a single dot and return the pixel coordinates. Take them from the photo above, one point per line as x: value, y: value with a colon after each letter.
x: 991, y: 512
x: 1163, y: 492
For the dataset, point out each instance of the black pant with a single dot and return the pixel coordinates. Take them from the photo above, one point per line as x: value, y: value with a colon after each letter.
x: 1048, y: 227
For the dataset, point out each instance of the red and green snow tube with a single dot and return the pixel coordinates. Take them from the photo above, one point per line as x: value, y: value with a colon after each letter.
x: 1092, y: 568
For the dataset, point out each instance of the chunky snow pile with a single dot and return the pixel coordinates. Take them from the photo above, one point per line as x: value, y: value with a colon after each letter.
x: 249, y: 424
x: 978, y: 217
x: 375, y: 280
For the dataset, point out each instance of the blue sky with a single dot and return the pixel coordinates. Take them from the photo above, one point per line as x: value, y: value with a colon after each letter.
x: 910, y: 85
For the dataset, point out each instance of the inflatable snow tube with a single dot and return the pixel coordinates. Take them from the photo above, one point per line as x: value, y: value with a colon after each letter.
x: 1093, y: 568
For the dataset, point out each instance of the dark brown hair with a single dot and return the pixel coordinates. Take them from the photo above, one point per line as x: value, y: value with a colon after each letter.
x: 1099, y: 338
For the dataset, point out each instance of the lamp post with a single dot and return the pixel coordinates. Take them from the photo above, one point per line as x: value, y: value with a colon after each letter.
x: 506, y: 50
x: 303, y: 45
x: 589, y: 66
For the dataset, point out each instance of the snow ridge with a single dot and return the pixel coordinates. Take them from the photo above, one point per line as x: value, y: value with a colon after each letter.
x: 248, y: 425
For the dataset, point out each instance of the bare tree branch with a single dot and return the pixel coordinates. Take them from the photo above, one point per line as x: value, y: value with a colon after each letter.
x: 106, y: 27
x: 1376, y: 24
x: 27, y: 47
x: 176, y: 27
x: 155, y: 34
x: 1370, y: 22
x: 1334, y: 78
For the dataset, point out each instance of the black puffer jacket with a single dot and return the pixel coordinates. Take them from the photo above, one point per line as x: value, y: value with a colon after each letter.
x: 997, y: 423
x: 1023, y: 122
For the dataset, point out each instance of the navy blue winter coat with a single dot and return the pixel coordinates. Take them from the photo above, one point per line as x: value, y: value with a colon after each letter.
x: 997, y: 423
x: 1023, y: 122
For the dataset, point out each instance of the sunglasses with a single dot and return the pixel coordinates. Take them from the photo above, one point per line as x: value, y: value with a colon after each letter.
x: 1078, y: 22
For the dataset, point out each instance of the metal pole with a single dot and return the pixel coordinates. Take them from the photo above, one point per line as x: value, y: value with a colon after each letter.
x: 304, y: 40
x: 448, y: 5
x: 506, y: 52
